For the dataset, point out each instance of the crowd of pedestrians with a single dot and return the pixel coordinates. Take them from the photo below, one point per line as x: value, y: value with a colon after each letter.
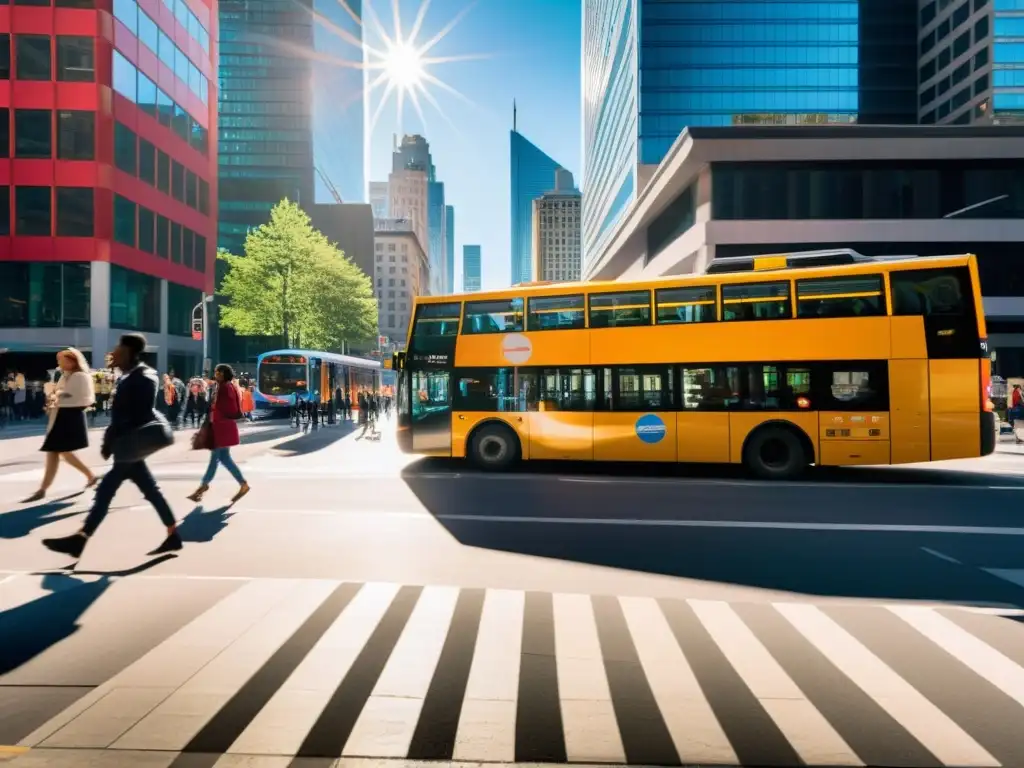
x: 366, y: 409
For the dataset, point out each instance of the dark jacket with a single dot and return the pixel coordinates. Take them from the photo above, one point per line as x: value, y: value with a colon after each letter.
x: 134, y: 404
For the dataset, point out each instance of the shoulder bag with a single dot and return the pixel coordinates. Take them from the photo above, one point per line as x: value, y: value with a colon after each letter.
x: 142, y: 442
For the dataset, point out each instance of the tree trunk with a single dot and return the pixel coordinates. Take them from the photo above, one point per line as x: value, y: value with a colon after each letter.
x: 284, y: 311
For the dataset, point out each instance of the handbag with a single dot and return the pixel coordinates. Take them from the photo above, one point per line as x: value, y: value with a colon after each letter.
x: 202, y: 440
x: 142, y: 442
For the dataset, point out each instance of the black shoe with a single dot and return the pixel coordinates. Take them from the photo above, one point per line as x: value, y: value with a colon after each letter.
x: 172, y: 543
x: 72, y: 545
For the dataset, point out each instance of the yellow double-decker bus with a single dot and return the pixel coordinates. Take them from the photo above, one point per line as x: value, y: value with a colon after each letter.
x: 775, y: 362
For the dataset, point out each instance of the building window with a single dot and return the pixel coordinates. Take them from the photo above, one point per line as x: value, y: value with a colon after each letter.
x: 32, y: 211
x: 147, y: 229
x: 32, y: 53
x: 190, y: 189
x: 75, y: 212
x: 44, y: 295
x: 164, y: 108
x: 147, y: 162
x: 146, y: 95
x: 76, y: 135
x: 5, y: 210
x: 125, y: 149
x: 124, y: 221
x: 204, y: 197
x: 134, y: 300
x: 75, y: 4
x: 163, y: 236
x: 149, y: 33
x: 181, y: 300
x: 5, y: 57
x: 188, y: 244
x: 75, y: 59
x: 176, y: 243
x: 163, y: 172
x: 125, y: 77
x: 178, y: 181
x: 676, y: 219
x: 200, y: 253
x: 33, y: 136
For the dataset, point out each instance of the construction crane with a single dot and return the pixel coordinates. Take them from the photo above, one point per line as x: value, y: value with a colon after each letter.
x: 327, y: 183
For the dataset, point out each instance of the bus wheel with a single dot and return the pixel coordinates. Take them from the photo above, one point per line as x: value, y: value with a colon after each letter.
x: 775, y: 453
x: 494, y: 447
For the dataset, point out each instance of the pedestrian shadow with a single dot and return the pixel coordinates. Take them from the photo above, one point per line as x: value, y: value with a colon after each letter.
x: 27, y: 630
x: 314, y: 440
x: 19, y: 523
x: 202, y: 527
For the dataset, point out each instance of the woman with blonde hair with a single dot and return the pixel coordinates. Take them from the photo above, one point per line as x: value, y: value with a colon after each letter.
x: 67, y: 430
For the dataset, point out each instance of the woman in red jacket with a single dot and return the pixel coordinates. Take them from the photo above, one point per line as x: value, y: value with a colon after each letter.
x: 225, y: 412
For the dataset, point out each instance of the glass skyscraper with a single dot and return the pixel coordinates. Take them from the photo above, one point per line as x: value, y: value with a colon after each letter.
x: 436, y: 253
x: 729, y: 62
x: 449, y: 244
x: 532, y: 174
x: 471, y: 268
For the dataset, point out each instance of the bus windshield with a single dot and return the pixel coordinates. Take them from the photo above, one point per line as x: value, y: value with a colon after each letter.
x: 282, y: 378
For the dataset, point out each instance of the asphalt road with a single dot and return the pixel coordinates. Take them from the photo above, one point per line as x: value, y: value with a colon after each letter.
x: 772, y: 578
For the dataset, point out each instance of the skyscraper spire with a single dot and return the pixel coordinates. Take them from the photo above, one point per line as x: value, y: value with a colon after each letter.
x: 513, y: 114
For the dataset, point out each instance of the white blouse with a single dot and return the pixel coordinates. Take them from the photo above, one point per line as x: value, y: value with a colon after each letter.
x: 75, y: 391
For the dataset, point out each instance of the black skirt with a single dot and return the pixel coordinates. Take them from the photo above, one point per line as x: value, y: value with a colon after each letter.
x: 69, y: 432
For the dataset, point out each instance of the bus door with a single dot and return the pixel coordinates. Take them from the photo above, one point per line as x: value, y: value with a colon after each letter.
x: 431, y: 409
x: 314, y: 385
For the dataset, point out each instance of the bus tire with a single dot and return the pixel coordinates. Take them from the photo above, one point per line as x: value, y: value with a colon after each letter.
x: 493, y: 447
x: 776, y: 452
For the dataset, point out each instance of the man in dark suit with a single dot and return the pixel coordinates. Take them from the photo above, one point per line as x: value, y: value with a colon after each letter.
x: 134, y: 406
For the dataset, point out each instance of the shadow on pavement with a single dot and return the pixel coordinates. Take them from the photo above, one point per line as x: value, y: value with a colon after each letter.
x: 868, y: 538
x: 315, y: 439
x: 21, y: 522
x: 29, y: 629
x: 202, y: 527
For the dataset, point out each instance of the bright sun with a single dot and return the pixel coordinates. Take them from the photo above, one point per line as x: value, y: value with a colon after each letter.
x: 404, y: 66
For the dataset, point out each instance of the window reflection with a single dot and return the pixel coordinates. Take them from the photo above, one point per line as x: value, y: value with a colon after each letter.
x: 134, y: 300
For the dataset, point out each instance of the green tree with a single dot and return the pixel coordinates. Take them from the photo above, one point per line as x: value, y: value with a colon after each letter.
x: 292, y: 282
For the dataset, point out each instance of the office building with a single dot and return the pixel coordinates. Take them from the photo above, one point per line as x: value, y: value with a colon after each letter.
x: 449, y: 243
x: 972, y: 62
x: 401, y: 273
x: 651, y: 69
x: 340, y: 145
x: 436, y: 249
x: 471, y: 268
x: 408, y: 192
x: 109, y: 218
x: 415, y: 193
x: 350, y: 227
x: 531, y: 172
x: 379, y: 199
x: 880, y: 190
x: 556, y: 232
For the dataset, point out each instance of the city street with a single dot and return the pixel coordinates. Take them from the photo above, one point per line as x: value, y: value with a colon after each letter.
x: 361, y: 603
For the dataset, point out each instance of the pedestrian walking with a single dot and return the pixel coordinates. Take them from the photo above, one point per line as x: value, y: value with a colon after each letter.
x: 136, y: 431
x: 220, y: 432
x: 68, y: 430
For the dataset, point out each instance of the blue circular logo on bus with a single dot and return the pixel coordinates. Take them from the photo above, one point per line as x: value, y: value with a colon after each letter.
x: 650, y: 428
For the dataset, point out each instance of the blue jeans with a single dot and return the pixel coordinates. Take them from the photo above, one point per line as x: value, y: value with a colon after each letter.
x: 222, y: 456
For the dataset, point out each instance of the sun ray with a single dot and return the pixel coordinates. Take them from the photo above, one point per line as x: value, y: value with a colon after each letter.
x: 400, y: 103
x: 419, y: 110
x: 460, y: 57
x: 417, y: 24
x: 425, y: 92
x: 445, y: 30
x: 383, y: 103
x: 396, y: 17
x: 306, y: 53
x: 377, y: 25
x: 445, y: 87
x: 348, y: 9
x: 345, y: 35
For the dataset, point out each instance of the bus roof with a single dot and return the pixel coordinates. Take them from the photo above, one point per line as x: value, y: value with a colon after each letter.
x: 734, y: 269
x: 330, y: 357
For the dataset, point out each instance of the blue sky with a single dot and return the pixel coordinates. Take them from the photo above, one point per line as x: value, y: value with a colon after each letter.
x: 534, y: 58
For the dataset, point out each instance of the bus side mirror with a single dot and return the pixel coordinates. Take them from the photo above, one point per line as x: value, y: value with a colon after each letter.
x: 398, y: 361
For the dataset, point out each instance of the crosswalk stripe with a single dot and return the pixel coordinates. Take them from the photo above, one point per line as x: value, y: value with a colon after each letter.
x: 807, y: 731
x: 591, y: 735
x: 389, y: 716
x: 928, y: 724
x: 162, y: 670
x: 696, y: 733
x: 176, y: 720
x: 336, y: 722
x: 540, y: 737
x: 434, y: 737
x: 645, y: 737
x: 487, y: 724
x: 283, y: 724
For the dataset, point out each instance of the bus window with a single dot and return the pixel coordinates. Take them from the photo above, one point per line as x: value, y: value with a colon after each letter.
x: 620, y: 310
x: 711, y: 388
x: 436, y: 320
x: 568, y: 389
x: 856, y: 386
x: 646, y: 388
x: 486, y: 389
x: 756, y: 301
x: 685, y: 305
x: 945, y: 298
x: 282, y: 378
x: 550, y: 313
x: 500, y: 316
x: 854, y: 296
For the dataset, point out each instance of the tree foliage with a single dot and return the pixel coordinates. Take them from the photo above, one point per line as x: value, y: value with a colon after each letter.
x: 293, y: 282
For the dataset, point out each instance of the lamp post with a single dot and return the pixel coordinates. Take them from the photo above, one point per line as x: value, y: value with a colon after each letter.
x: 199, y: 320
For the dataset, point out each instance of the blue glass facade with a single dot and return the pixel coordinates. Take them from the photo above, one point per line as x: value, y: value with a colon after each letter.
x: 339, y: 102
x: 436, y: 255
x: 471, y: 274
x: 532, y: 173
x: 449, y: 244
x: 1008, y: 61
x: 729, y: 62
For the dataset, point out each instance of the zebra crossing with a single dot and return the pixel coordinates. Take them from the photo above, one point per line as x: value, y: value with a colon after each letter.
x: 325, y: 669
